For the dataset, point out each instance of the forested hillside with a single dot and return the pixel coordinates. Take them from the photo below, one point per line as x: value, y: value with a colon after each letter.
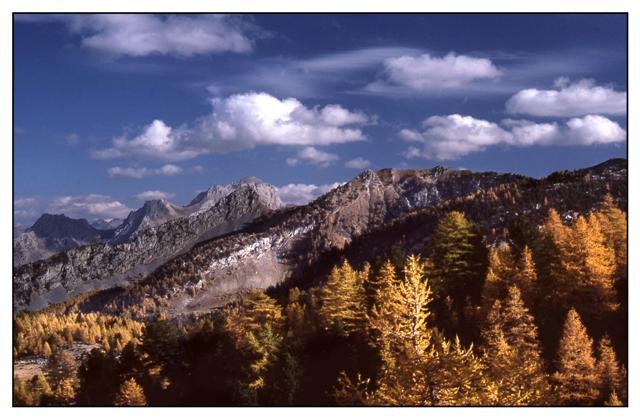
x: 534, y: 314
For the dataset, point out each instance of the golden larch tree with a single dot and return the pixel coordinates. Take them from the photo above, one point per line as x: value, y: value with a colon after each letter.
x: 577, y: 377
x: 130, y: 394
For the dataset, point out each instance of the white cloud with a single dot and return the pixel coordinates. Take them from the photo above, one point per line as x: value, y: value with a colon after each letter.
x: 313, y: 156
x: 425, y: 72
x: 140, y: 172
x: 156, y: 142
x: 577, y: 99
x: 151, y: 195
x: 140, y: 35
x: 170, y: 170
x: 358, y: 163
x: 595, y: 129
x: 241, y: 122
x: 131, y: 172
x: 453, y: 136
x: 299, y: 193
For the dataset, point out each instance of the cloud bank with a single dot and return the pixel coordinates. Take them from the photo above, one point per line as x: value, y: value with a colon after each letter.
x: 453, y: 136
x: 241, y: 122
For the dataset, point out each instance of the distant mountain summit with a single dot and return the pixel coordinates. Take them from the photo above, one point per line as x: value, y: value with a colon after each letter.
x: 152, y: 213
x: 54, y: 233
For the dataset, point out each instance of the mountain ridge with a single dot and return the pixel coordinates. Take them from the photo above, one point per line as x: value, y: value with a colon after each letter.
x: 277, y: 247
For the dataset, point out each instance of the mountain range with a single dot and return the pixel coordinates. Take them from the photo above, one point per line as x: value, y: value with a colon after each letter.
x: 190, y: 259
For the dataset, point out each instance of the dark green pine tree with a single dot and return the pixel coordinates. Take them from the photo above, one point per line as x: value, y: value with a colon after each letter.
x: 459, y: 261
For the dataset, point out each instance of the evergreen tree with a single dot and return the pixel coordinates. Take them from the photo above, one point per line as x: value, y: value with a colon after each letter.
x: 130, y: 394
x: 459, y: 260
x: 577, y: 375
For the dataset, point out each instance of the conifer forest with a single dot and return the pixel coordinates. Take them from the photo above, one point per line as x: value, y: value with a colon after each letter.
x: 532, y: 320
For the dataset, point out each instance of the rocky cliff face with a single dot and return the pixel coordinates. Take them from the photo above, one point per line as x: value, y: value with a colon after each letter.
x: 148, y: 245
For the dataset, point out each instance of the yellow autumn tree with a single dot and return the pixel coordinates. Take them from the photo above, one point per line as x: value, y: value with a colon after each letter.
x: 612, y: 374
x: 130, y: 394
x: 576, y: 378
x: 583, y: 273
x: 419, y: 366
x: 343, y: 299
x: 614, y: 227
x: 499, y: 274
x: 512, y: 354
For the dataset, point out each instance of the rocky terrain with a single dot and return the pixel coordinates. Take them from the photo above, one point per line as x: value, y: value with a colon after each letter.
x: 154, y: 234
x: 293, y: 245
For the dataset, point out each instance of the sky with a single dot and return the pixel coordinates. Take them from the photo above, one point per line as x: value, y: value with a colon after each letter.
x: 113, y: 110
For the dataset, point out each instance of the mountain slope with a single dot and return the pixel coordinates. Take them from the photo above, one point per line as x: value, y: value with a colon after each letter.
x: 361, y: 220
x: 104, y: 265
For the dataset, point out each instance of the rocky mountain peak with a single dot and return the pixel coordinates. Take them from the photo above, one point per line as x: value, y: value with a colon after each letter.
x: 60, y: 226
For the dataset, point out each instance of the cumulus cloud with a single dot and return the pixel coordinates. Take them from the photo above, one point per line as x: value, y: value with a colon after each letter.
x: 358, y: 163
x: 426, y: 72
x: 241, y: 122
x: 595, y: 129
x: 566, y: 100
x: 151, y: 195
x: 139, y: 35
x: 300, y: 193
x: 313, y: 156
x: 453, y: 136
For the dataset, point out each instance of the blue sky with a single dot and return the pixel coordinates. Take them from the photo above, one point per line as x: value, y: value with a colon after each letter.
x: 111, y: 110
